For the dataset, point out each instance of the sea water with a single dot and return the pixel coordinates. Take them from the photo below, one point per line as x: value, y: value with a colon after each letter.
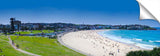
x: 147, y: 39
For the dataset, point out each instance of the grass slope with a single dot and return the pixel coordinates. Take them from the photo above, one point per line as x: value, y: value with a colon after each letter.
x: 43, y: 46
x: 6, y: 49
x: 34, y: 32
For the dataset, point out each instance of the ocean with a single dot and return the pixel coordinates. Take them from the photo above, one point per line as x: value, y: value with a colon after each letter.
x: 147, y: 39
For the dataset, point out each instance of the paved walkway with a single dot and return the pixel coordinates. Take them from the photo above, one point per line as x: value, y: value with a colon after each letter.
x: 10, y: 41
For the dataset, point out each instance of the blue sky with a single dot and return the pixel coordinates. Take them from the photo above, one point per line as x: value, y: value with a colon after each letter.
x: 73, y: 11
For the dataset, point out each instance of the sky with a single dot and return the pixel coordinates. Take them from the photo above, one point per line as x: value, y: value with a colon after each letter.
x: 111, y: 12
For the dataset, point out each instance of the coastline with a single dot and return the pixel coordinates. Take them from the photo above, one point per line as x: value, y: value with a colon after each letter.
x: 90, y: 42
x: 133, y: 45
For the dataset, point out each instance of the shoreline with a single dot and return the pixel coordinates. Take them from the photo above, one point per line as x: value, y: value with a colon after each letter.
x: 90, y: 42
x: 133, y: 45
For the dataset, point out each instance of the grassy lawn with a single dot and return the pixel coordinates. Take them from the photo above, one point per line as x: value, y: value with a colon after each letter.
x: 34, y: 32
x: 43, y: 46
x: 48, y: 31
x: 6, y: 49
x: 23, y: 32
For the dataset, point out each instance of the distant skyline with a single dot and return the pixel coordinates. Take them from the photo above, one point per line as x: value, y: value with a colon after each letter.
x: 73, y: 11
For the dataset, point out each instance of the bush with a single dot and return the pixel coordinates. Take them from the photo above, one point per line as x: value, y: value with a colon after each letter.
x: 154, y: 52
x: 55, y: 36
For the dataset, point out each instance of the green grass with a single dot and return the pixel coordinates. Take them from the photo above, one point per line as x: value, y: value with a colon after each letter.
x: 34, y: 32
x: 7, y: 49
x: 23, y: 32
x: 43, y: 46
x: 48, y: 31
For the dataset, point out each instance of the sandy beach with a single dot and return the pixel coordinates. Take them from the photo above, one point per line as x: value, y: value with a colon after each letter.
x: 92, y: 43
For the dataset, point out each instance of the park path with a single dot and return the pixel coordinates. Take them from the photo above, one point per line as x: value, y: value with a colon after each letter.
x: 10, y: 41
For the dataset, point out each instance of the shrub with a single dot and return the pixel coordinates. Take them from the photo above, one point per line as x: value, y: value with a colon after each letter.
x: 154, y: 52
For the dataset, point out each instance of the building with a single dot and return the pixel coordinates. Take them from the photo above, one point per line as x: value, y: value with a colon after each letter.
x: 15, y: 24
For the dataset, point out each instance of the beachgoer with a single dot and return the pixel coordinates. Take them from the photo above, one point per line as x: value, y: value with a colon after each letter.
x: 118, y: 50
x: 1, y: 50
x: 17, y: 46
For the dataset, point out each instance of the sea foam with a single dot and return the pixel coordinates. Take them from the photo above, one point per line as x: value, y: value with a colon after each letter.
x: 138, y: 38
